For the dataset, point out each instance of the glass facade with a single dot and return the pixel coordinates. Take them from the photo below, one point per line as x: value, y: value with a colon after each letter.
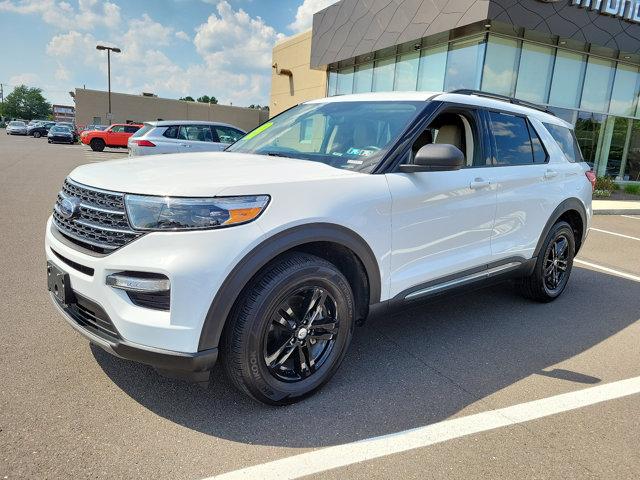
x: 598, y: 95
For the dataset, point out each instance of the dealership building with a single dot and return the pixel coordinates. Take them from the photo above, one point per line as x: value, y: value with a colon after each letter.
x: 581, y: 58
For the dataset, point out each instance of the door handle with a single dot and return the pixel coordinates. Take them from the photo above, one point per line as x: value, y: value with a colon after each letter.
x: 479, y: 183
x: 550, y: 174
x: 185, y: 145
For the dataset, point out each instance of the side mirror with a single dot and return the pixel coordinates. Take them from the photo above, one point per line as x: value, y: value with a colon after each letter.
x: 435, y: 157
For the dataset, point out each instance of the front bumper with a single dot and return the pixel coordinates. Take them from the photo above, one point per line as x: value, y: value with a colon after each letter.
x: 181, y: 364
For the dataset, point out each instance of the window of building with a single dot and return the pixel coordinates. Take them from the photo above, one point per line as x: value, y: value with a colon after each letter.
x: 332, y: 83
x: 534, y: 72
x: 566, y: 140
x: 598, y: 81
x: 97, y: 121
x: 512, y: 141
x: 406, y: 75
x: 464, y: 64
x: 588, y: 126
x: 363, y: 78
x: 632, y: 164
x: 345, y: 81
x: 500, y: 65
x: 625, y: 90
x: 432, y: 68
x: 568, y: 74
x: 383, y: 74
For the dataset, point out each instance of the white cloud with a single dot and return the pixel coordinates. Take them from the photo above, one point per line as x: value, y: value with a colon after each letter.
x: 28, y: 79
x: 61, y: 14
x: 183, y: 36
x: 304, y: 14
x: 235, y: 39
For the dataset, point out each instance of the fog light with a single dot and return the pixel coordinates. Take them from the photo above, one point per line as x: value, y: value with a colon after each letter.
x: 139, y: 282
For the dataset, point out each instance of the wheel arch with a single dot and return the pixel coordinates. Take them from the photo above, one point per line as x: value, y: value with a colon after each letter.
x: 317, y: 239
x: 572, y: 211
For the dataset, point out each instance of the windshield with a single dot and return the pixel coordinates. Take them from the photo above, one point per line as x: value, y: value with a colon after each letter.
x: 17, y: 124
x: 348, y: 135
x: 60, y: 128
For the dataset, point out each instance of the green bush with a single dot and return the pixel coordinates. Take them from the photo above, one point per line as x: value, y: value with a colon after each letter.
x: 606, y: 183
x: 633, y: 189
x: 601, y: 193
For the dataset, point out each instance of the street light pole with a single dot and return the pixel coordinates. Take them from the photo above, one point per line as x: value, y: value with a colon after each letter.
x: 109, y: 50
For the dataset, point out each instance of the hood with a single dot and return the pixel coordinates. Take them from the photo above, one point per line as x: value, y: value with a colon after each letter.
x: 200, y: 174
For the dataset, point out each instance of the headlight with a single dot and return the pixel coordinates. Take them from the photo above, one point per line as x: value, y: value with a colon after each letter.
x: 175, y: 213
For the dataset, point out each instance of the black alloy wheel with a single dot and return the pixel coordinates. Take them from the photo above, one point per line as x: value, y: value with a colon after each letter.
x: 555, y: 263
x: 301, y: 335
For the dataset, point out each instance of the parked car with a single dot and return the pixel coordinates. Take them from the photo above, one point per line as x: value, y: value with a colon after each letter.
x: 72, y: 127
x: 34, y: 122
x: 116, y: 136
x: 40, y: 129
x: 60, y: 134
x: 89, y: 128
x: 16, y: 127
x: 182, y: 136
x: 268, y: 254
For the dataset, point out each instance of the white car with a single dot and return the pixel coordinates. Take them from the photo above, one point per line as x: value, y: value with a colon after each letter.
x: 269, y: 254
x: 182, y: 136
x: 16, y: 127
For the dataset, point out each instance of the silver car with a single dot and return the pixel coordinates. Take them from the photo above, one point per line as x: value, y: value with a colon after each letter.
x: 182, y: 136
x: 16, y: 128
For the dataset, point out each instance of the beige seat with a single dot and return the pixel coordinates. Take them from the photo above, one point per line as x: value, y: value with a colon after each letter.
x: 450, y: 135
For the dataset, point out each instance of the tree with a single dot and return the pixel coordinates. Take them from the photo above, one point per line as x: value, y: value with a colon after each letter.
x: 207, y: 99
x: 188, y: 98
x: 26, y: 103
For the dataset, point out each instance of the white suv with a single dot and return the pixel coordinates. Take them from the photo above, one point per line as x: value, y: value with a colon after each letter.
x: 267, y: 255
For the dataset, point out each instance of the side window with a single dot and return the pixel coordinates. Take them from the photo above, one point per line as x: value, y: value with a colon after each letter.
x: 171, y: 132
x: 512, y: 141
x: 131, y: 129
x: 457, y: 129
x: 195, y: 133
x: 566, y: 140
x: 539, y: 153
x: 117, y: 129
x: 228, y: 134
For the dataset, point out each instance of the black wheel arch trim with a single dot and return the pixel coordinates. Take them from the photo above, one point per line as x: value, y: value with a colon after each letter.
x: 567, y: 205
x: 266, y: 251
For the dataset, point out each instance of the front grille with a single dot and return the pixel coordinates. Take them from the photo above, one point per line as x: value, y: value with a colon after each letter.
x: 91, y: 316
x: 100, y: 223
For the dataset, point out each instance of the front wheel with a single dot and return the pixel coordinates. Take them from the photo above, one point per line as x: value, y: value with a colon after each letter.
x: 37, y: 134
x: 290, y: 330
x: 97, y: 145
x: 553, y: 267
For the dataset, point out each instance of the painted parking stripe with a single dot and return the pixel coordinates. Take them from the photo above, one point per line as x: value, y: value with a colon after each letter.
x: 330, y: 458
x: 614, y: 233
x: 630, y: 216
x: 617, y: 273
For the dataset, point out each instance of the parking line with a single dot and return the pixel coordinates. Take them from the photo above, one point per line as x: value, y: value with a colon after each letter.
x: 614, y: 233
x: 617, y: 273
x: 630, y: 216
x: 338, y: 456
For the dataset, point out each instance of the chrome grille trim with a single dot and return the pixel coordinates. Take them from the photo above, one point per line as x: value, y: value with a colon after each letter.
x: 101, y: 223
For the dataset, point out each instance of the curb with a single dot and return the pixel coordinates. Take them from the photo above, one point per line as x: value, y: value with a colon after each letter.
x: 622, y: 211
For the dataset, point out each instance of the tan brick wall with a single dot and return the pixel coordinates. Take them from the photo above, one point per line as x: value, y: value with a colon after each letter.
x: 294, y: 54
x: 94, y: 103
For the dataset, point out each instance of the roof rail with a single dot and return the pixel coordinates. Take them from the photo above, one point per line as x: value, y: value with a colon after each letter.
x: 504, y: 98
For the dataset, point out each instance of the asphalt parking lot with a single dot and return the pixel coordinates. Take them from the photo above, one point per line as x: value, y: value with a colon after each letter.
x: 69, y: 410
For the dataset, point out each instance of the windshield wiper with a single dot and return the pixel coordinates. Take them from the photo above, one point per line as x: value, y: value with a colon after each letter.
x: 277, y: 154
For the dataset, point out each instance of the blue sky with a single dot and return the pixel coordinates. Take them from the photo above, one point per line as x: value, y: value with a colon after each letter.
x: 170, y: 47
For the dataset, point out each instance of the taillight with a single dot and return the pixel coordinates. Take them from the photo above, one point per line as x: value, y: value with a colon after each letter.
x: 145, y: 143
x: 591, y: 175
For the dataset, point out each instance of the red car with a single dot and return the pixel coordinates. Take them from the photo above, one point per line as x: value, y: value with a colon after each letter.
x: 116, y: 136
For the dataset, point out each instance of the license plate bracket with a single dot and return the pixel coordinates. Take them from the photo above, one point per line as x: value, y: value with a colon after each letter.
x: 59, y: 284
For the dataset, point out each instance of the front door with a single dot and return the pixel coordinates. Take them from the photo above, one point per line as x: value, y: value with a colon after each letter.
x: 442, y: 221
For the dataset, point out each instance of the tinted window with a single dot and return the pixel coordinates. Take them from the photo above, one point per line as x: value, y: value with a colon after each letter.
x: 131, y: 129
x: 539, y: 153
x: 195, y: 133
x: 566, y: 140
x: 512, y: 142
x: 228, y: 134
x: 171, y: 132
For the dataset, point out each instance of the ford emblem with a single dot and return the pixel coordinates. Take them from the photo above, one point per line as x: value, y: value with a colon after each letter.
x: 70, y: 207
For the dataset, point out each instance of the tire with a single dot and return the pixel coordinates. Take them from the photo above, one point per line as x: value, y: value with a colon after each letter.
x: 97, y: 145
x: 277, y: 360
x: 556, y: 258
x: 49, y: 140
x: 37, y: 134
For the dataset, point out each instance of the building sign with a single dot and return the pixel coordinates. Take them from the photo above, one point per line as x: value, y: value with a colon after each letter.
x: 626, y: 9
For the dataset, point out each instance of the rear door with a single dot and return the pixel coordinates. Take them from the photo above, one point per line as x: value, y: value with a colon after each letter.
x: 116, y: 137
x: 195, y: 138
x: 529, y: 186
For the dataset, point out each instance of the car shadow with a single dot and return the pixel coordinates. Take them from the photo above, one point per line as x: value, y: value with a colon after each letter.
x: 409, y: 369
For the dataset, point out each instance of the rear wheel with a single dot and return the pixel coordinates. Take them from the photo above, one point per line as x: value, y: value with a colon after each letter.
x: 553, y: 267
x: 97, y: 145
x: 290, y: 331
x: 37, y: 134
